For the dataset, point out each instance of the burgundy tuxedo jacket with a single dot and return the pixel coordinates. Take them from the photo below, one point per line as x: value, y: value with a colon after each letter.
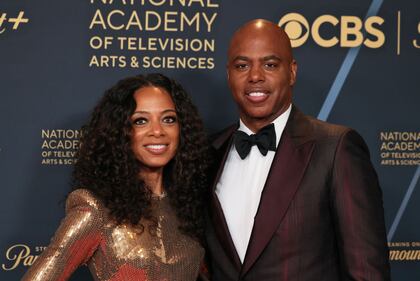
x: 320, y: 215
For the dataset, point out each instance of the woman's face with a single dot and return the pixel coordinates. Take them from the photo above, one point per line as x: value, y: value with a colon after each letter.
x: 155, y: 135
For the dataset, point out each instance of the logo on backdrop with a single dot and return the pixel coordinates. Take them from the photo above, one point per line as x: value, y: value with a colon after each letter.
x: 12, y: 22
x: 345, y: 31
x: 59, y: 146
x: 404, y: 251
x: 351, y: 31
x: 400, y: 148
x: 153, y: 34
x: 20, y: 255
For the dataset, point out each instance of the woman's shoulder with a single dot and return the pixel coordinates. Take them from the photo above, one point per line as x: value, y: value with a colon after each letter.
x: 83, y: 198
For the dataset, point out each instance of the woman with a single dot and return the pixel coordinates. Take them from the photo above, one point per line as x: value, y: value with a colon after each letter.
x: 142, y: 164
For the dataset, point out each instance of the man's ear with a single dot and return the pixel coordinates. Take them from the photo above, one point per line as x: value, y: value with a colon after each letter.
x: 227, y: 72
x: 293, y: 72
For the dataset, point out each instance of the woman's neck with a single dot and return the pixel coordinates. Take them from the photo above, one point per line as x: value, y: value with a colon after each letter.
x: 154, y: 180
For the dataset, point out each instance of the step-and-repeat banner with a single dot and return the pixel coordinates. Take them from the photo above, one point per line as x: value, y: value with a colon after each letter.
x: 358, y: 66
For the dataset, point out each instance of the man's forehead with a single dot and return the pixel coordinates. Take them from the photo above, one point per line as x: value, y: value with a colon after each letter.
x: 260, y: 47
x: 258, y: 28
x: 255, y: 50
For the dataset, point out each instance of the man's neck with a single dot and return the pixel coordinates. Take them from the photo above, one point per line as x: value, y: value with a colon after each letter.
x: 256, y: 124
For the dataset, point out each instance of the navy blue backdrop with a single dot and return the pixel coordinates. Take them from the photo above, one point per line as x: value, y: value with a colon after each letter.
x: 358, y: 66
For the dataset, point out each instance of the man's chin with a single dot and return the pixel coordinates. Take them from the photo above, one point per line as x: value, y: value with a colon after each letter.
x: 257, y: 115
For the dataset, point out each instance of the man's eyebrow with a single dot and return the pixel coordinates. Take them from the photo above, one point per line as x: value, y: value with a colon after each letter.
x: 240, y: 58
x: 271, y: 57
x: 266, y: 58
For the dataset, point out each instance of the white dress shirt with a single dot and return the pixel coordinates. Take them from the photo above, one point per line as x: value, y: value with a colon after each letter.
x: 241, y: 184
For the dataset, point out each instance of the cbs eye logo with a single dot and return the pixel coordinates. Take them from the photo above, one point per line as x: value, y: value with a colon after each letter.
x: 353, y: 32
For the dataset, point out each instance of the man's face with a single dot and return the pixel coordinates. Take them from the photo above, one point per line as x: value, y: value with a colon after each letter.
x: 261, y: 72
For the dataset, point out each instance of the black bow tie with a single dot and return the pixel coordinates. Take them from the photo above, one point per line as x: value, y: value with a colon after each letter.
x: 265, y: 139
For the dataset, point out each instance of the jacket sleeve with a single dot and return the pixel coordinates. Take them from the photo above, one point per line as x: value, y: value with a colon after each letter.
x: 358, y: 212
x: 74, y: 242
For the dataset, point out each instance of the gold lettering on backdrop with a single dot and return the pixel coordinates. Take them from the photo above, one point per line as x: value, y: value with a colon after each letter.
x: 60, y: 133
x: 59, y: 146
x: 135, y: 21
x: 351, y: 27
x: 97, y: 19
x: 399, y: 244
x: 209, y: 21
x: 212, y: 5
x: 170, y: 21
x: 18, y: 254
x: 112, y: 13
x: 110, y: 2
x: 352, y: 30
x: 407, y: 255
x: 108, y: 61
x: 186, y: 28
x: 166, y: 44
x: 316, y: 27
x: 380, y: 36
x: 50, y: 161
x: 157, y: 3
x: 400, y: 148
x: 97, y: 42
x: 404, y: 251
x: 153, y: 21
x: 189, y: 22
x: 400, y: 136
x: 178, y: 62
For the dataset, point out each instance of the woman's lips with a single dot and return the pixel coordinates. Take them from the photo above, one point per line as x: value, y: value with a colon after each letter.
x: 156, y: 148
x: 257, y: 96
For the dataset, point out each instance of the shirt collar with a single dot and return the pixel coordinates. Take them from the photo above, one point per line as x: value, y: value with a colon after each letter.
x: 279, y: 124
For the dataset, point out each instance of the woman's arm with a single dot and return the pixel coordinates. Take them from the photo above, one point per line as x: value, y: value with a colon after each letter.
x: 73, y: 243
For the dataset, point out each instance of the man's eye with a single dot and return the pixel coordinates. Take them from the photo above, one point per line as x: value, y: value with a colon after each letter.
x: 169, y: 119
x: 139, y: 121
x: 271, y: 65
x: 241, y: 66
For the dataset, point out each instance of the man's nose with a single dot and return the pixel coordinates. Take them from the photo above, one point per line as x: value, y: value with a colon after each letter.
x: 256, y: 74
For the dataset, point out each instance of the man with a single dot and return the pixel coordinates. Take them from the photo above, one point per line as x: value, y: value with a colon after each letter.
x: 294, y: 198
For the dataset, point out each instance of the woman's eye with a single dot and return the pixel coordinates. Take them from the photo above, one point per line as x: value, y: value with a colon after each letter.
x: 139, y: 121
x: 169, y: 119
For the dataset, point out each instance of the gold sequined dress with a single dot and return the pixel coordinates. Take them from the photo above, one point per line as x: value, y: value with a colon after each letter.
x: 88, y: 235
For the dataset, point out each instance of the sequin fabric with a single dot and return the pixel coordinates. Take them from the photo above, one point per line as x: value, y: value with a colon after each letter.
x: 150, y: 251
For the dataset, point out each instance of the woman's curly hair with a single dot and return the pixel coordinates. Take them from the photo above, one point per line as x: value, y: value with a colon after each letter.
x: 107, y: 166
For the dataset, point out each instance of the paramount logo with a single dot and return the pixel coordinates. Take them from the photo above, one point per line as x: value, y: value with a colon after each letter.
x: 404, y: 255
